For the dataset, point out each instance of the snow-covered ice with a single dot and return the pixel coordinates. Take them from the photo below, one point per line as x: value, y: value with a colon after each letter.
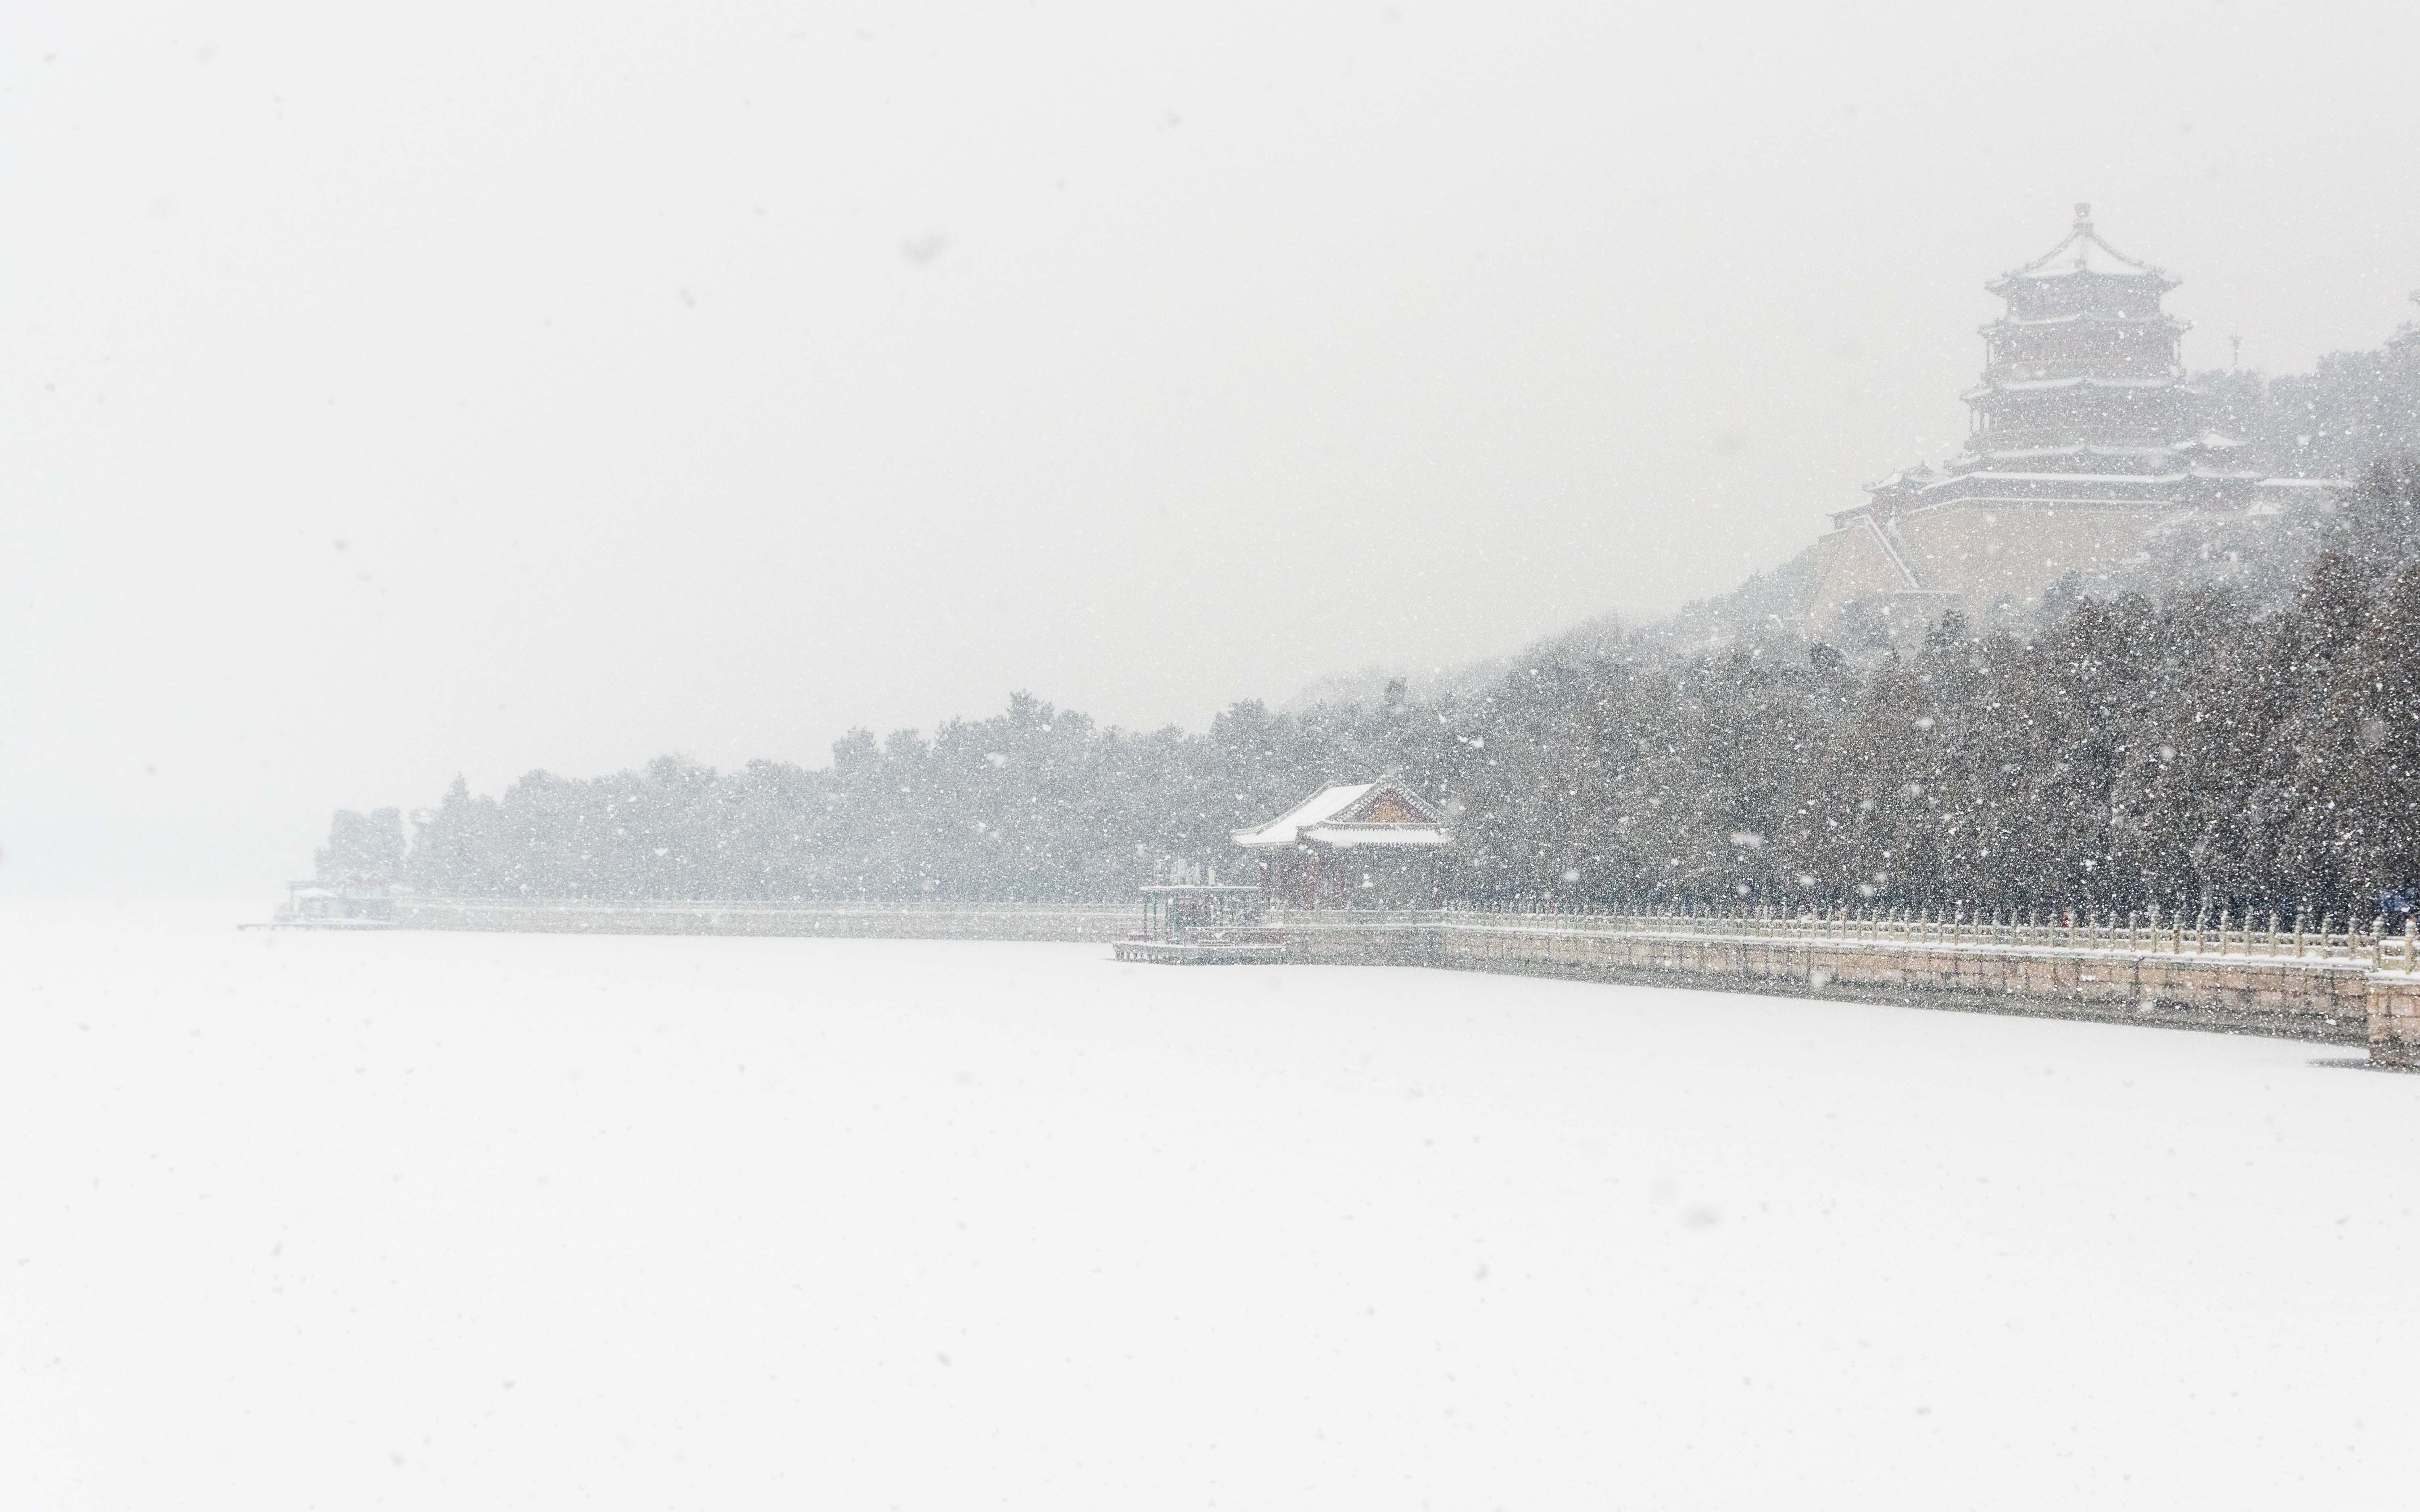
x: 458, y: 1221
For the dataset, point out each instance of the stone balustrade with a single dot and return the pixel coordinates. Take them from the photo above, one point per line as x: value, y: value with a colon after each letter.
x: 915, y: 921
x: 2319, y: 983
x: 2348, y: 985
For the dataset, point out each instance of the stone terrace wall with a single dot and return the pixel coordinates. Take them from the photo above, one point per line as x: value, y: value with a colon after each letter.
x: 2395, y: 1020
x: 1080, y: 922
x: 2203, y: 982
x: 2339, y: 987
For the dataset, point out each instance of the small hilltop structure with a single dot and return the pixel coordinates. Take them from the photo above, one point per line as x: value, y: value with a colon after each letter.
x: 2085, y: 439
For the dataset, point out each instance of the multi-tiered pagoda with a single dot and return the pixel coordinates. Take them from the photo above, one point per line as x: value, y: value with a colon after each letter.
x: 2083, y: 437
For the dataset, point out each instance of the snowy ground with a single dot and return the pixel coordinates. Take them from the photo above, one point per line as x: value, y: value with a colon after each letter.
x: 458, y: 1221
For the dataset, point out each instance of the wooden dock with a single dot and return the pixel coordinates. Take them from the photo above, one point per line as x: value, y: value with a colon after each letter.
x: 1262, y: 950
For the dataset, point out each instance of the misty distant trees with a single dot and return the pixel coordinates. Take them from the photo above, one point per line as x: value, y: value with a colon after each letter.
x: 2189, y: 752
x: 1034, y: 803
x: 2332, y: 421
x: 363, y: 848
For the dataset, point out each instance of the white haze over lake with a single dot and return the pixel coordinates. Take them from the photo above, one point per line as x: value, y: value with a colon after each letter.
x: 461, y: 1220
x: 393, y: 391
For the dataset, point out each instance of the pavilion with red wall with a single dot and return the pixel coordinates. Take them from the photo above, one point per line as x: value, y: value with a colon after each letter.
x: 1354, y: 845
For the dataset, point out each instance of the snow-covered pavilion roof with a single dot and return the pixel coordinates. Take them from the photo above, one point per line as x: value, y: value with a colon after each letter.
x: 1345, y: 837
x: 1916, y: 475
x: 2085, y: 318
x: 2074, y: 380
x: 1324, y: 804
x: 1384, y: 812
x: 2084, y: 252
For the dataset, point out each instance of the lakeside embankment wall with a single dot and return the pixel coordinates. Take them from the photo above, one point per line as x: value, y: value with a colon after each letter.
x: 2068, y: 973
x: 1075, y: 922
x: 2342, y: 988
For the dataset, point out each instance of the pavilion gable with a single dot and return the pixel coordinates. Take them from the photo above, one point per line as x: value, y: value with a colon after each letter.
x: 1352, y: 814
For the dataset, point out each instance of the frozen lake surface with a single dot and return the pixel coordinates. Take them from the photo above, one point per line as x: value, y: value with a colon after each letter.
x: 458, y: 1221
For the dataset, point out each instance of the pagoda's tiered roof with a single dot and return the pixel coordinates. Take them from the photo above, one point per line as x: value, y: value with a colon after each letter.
x: 2083, y: 252
x: 2072, y: 380
x: 2070, y: 408
x: 2083, y: 408
x: 2088, y: 317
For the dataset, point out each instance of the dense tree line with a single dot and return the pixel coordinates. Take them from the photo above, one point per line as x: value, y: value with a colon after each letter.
x: 2190, y: 751
x: 1035, y: 803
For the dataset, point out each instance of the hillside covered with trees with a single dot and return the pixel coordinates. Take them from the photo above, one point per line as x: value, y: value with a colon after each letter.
x: 2187, y: 750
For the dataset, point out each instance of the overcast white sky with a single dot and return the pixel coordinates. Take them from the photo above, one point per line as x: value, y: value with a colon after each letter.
x: 388, y: 392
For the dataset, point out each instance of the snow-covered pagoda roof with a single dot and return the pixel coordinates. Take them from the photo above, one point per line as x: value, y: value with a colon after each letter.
x: 1916, y: 475
x: 2085, y: 318
x: 2074, y: 380
x: 1350, y: 814
x: 2081, y: 251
